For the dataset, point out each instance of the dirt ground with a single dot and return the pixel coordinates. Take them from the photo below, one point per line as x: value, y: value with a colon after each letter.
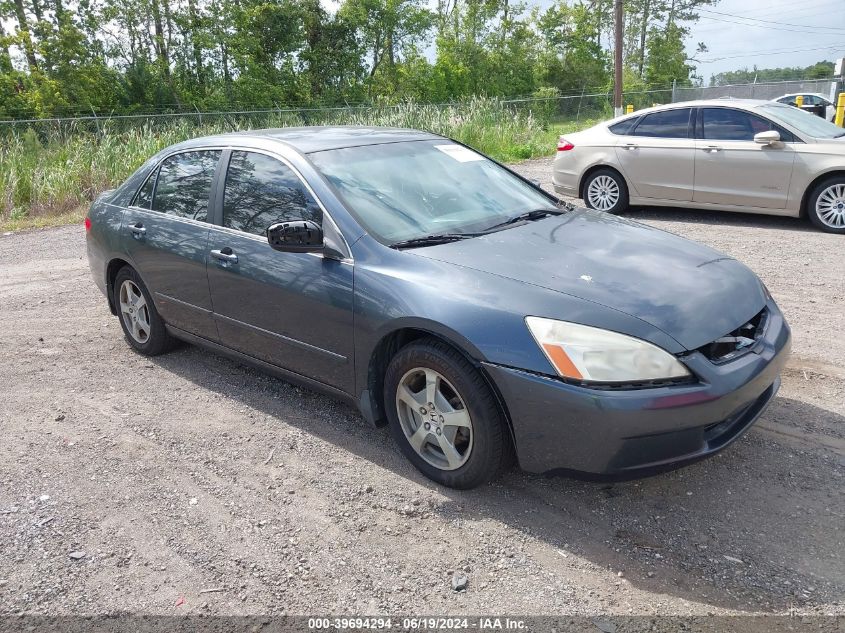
x: 135, y: 484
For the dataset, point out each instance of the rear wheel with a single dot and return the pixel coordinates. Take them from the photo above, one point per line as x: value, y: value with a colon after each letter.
x: 444, y: 416
x: 142, y: 326
x: 605, y: 190
x: 826, y: 205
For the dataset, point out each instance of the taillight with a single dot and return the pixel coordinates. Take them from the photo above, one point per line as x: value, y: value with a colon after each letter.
x: 563, y: 145
x: 87, y: 224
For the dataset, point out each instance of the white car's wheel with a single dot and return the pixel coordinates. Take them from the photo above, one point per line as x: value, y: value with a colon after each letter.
x: 826, y: 205
x: 605, y: 190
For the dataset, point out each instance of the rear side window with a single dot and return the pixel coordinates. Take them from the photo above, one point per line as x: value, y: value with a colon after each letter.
x: 726, y: 124
x: 184, y: 185
x: 262, y: 191
x: 144, y: 197
x: 665, y: 124
x: 623, y: 127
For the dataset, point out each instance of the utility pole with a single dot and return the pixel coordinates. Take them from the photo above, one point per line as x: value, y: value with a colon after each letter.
x: 617, y: 57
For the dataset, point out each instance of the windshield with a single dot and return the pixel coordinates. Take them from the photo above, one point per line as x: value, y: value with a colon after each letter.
x: 806, y: 123
x: 403, y: 191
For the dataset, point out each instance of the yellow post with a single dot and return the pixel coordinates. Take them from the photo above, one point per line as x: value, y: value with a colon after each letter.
x: 654, y: 105
x: 840, y: 110
x: 799, y: 100
x: 629, y: 109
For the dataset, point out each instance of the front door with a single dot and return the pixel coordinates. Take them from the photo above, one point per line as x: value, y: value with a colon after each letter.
x: 293, y: 310
x: 731, y: 169
x: 166, y: 234
x: 657, y: 156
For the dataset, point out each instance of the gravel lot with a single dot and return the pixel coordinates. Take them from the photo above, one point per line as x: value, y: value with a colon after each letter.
x: 135, y: 484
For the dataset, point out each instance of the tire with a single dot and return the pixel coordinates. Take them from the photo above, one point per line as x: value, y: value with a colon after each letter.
x: 826, y: 205
x: 611, y: 194
x: 481, y: 449
x: 142, y: 326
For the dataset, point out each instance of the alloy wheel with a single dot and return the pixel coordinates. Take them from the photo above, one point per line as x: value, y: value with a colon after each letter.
x: 830, y: 206
x: 134, y: 311
x: 603, y: 193
x: 434, y: 418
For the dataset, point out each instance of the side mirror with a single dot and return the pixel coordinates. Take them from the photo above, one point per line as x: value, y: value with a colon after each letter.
x: 767, y: 138
x: 296, y: 236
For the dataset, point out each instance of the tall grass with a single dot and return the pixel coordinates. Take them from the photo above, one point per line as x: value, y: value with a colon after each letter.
x: 54, y: 172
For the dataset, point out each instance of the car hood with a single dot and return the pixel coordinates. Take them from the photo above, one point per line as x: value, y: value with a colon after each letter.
x: 689, y: 291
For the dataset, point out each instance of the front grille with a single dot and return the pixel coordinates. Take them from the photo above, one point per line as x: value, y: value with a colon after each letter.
x: 737, y: 342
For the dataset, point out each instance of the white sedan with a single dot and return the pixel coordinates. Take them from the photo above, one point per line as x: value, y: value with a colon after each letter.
x: 729, y: 155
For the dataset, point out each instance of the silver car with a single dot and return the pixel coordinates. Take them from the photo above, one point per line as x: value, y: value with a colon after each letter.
x: 729, y: 155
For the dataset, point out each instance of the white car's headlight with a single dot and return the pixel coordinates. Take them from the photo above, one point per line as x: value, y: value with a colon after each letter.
x: 590, y: 354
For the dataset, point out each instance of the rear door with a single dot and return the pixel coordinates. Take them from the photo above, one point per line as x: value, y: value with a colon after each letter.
x: 293, y: 310
x: 658, y: 155
x: 731, y: 169
x: 166, y: 231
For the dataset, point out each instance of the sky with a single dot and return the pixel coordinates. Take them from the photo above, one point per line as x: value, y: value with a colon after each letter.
x: 742, y: 33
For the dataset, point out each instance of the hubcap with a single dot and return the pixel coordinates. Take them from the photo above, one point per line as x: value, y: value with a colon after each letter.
x: 603, y: 193
x: 830, y: 206
x: 434, y: 418
x: 134, y: 311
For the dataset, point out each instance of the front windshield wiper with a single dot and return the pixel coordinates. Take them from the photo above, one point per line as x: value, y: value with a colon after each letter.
x: 431, y: 240
x: 528, y: 216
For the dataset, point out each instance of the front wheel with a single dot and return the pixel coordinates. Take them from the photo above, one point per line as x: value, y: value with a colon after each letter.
x: 605, y: 190
x: 826, y: 205
x: 444, y: 416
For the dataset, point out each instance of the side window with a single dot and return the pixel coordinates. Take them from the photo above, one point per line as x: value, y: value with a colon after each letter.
x: 144, y: 197
x: 725, y: 124
x: 184, y: 185
x: 666, y: 124
x: 623, y: 127
x: 261, y: 191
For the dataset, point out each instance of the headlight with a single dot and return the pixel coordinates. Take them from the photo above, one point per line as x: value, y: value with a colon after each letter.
x: 590, y: 354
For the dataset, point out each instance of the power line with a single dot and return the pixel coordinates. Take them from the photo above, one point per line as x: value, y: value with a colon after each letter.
x: 770, y: 52
x: 800, y: 5
x: 802, y: 26
x: 763, y: 26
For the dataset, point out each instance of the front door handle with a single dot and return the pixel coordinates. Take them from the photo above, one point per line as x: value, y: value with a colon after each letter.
x: 225, y: 255
x: 712, y: 148
x: 630, y: 146
x: 138, y: 230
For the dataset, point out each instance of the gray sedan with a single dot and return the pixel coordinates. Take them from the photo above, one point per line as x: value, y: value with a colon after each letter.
x: 443, y: 295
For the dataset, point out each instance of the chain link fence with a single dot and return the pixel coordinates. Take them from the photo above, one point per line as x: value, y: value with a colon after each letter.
x: 547, y: 110
x: 764, y: 91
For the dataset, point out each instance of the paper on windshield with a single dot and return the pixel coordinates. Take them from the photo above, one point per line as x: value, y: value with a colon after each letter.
x: 459, y: 153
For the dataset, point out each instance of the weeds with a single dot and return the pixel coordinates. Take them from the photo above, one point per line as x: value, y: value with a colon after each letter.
x: 58, y: 171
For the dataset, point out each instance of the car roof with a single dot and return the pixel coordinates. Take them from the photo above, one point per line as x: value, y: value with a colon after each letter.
x: 309, y: 139
x: 796, y: 94
x: 724, y: 102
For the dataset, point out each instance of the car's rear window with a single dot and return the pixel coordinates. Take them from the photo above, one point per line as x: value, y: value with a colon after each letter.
x: 665, y: 124
x: 623, y: 127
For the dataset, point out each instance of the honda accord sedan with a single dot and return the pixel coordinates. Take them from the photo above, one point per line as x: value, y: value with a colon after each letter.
x: 727, y: 155
x: 445, y: 296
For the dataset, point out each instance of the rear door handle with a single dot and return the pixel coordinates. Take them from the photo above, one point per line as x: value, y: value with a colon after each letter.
x: 138, y: 230
x: 225, y: 255
x: 630, y: 146
x: 712, y: 148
